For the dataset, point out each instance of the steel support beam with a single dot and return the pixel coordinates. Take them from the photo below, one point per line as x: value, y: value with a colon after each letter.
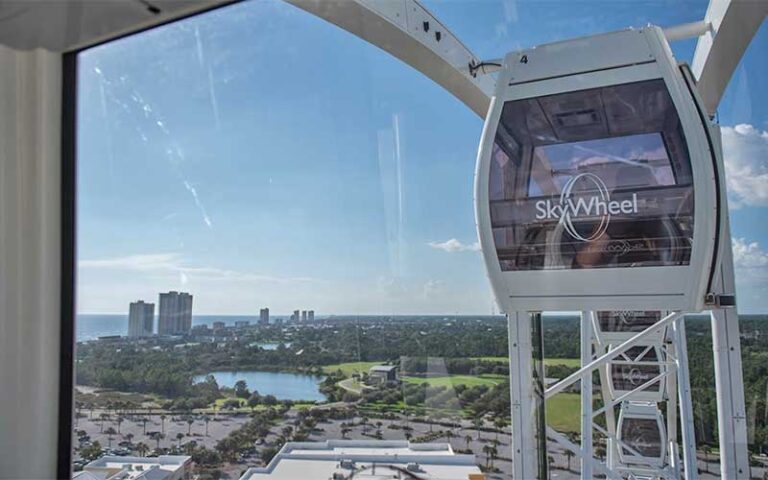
x: 733, y: 24
x: 409, y: 32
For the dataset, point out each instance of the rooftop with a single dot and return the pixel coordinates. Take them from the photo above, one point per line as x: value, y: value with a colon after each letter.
x: 133, y: 468
x: 367, y: 460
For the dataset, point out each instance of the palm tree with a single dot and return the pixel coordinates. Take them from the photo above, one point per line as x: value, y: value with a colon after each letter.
x: 120, y: 420
x: 569, y: 456
x: 103, y: 417
x: 179, y: 436
x: 499, y: 423
x: 478, y: 423
x: 706, y: 449
x: 162, y: 423
x: 487, y: 451
x: 550, y: 461
x: 142, y: 448
x: 144, y: 424
x: 206, y: 419
x: 129, y: 436
x: 110, y: 431
x: 287, y: 431
x: 190, y: 421
x: 468, y: 439
x: 157, y: 436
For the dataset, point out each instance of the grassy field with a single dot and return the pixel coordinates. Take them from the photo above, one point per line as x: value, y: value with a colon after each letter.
x: 563, y: 412
x: 568, y: 362
x: 350, y: 368
x: 451, y: 380
x: 359, y: 367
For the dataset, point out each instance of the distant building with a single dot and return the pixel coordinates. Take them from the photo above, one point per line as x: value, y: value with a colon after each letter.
x: 201, y: 329
x: 219, y: 326
x: 141, y: 319
x: 311, y: 316
x: 303, y: 316
x: 383, y: 373
x: 264, y: 316
x: 339, y: 459
x: 164, y: 467
x: 242, y: 323
x: 175, y: 313
x: 295, y: 317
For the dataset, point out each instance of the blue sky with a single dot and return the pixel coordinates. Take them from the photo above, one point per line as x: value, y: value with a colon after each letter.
x: 258, y: 156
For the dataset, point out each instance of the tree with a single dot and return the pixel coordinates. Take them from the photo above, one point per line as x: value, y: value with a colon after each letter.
x: 129, y: 436
x: 478, y: 424
x: 267, y: 454
x: 162, y: 424
x: 254, y: 400
x: 706, y: 449
x: 206, y: 419
x: 120, y: 421
x: 287, y: 431
x: 487, y: 451
x: 468, y: 440
x: 157, y: 436
x: 91, y: 452
x: 190, y: 421
x: 110, y: 432
x: 142, y: 448
x: 103, y: 417
x: 241, y: 389
x: 179, y: 436
x: 569, y: 456
x: 345, y: 430
x: 499, y: 423
x: 550, y: 463
x: 144, y: 421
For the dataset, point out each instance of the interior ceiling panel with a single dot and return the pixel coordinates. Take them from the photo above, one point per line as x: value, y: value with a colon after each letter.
x: 62, y: 25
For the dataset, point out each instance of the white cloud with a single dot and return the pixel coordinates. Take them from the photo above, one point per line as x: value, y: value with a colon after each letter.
x: 745, y: 150
x: 748, y: 254
x: 173, y: 264
x: 454, y: 245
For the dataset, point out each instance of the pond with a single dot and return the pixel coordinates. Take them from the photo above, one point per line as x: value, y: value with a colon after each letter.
x: 284, y: 386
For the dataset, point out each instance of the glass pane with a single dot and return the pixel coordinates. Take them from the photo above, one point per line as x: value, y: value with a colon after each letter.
x: 590, y: 179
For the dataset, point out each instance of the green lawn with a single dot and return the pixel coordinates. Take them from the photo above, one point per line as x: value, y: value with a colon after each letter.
x: 350, y: 368
x: 568, y: 362
x: 451, y: 380
x: 564, y: 411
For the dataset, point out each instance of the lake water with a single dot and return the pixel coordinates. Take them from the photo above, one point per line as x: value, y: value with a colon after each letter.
x: 284, y: 386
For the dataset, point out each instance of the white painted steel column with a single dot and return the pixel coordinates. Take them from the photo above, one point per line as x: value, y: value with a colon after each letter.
x: 726, y: 347
x: 684, y: 399
x: 30, y: 259
x: 586, y: 396
x: 522, y: 396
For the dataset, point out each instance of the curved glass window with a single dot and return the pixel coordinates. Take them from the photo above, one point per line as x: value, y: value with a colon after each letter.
x: 590, y: 179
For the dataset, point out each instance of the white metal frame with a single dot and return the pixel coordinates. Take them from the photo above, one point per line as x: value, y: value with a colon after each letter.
x: 646, y: 288
x: 725, y: 33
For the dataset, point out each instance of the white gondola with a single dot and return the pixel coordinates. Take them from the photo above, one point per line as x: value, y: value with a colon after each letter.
x: 596, y: 186
x: 641, y: 429
x: 637, y: 367
x: 616, y: 326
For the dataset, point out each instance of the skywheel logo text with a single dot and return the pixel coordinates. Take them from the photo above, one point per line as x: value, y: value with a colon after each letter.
x: 598, y: 205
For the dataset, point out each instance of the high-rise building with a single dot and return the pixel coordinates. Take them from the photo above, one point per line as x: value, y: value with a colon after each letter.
x: 295, y: 317
x: 264, y: 316
x: 175, y: 313
x: 219, y: 326
x: 303, y: 316
x: 141, y: 317
x: 311, y: 316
